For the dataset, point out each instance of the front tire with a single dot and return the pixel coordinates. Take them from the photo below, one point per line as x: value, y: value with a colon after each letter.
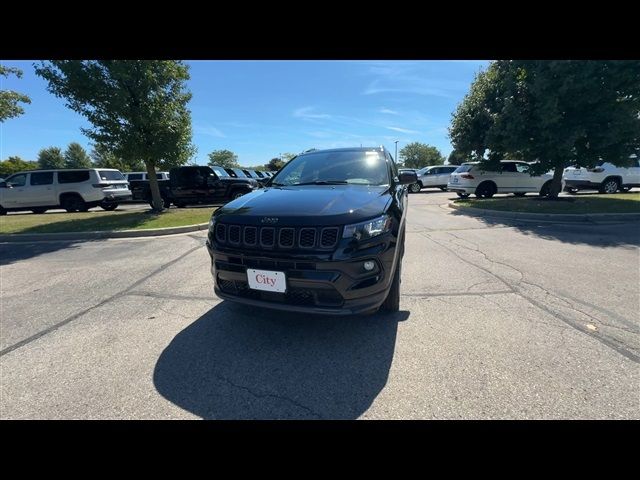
x: 392, y: 302
x: 610, y: 185
x: 2, y: 210
x: 110, y: 207
x: 546, y: 189
x: 414, y: 187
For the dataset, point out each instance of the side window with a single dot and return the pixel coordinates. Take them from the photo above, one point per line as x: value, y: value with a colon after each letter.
x: 522, y: 168
x: 509, y: 167
x: 73, y: 177
x: 134, y: 176
x: 18, y: 180
x: 41, y: 178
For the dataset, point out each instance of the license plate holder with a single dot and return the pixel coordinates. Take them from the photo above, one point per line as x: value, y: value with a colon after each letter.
x: 267, y: 280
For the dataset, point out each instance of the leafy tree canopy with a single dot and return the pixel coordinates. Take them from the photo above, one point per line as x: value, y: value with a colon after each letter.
x: 418, y: 155
x: 14, y: 165
x: 223, y: 158
x: 10, y: 100
x: 76, y: 157
x: 51, y: 157
x: 274, y: 164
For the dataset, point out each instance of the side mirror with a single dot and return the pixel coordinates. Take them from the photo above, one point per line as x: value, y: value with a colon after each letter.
x: 407, y: 178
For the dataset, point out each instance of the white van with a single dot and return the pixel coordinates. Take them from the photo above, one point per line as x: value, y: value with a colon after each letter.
x: 75, y: 190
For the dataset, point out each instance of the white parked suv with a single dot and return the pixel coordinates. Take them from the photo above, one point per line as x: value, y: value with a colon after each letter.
x: 605, y: 177
x: 434, y: 176
x: 513, y: 177
x: 72, y: 189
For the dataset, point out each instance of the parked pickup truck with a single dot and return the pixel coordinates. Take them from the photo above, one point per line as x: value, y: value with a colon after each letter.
x: 195, y: 185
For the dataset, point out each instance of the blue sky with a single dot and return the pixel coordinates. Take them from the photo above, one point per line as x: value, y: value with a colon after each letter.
x: 260, y: 109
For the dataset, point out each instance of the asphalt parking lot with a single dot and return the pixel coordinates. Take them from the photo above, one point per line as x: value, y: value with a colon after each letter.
x: 500, y: 319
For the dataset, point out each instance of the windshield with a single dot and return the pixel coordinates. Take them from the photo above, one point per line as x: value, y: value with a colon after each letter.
x: 110, y: 175
x: 221, y: 172
x: 335, y: 167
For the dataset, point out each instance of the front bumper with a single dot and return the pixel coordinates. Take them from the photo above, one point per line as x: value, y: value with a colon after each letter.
x: 316, y: 283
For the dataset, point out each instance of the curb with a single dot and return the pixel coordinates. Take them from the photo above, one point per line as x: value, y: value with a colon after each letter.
x: 549, y: 217
x: 152, y: 232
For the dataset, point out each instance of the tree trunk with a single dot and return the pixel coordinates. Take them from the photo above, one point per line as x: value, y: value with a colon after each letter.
x: 156, y: 198
x: 556, y: 183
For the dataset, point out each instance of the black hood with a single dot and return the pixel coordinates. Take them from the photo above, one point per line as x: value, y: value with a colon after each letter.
x: 308, y: 205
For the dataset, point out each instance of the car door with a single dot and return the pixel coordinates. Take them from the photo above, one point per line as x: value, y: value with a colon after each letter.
x: 524, y: 181
x: 632, y: 178
x: 14, y: 195
x: 429, y: 178
x: 508, y: 180
x: 41, y: 191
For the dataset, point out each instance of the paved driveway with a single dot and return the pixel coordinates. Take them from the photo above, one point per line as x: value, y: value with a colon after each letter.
x: 499, y: 320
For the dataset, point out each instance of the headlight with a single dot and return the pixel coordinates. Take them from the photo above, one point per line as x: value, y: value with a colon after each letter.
x: 368, y: 229
x: 212, y: 220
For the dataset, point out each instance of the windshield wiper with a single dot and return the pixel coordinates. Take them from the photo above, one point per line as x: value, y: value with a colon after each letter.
x: 321, y: 182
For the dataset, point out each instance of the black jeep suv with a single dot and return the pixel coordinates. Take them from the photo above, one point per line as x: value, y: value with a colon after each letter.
x: 326, y: 235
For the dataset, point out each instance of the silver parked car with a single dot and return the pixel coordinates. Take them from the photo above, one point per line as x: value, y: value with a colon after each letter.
x: 433, y: 176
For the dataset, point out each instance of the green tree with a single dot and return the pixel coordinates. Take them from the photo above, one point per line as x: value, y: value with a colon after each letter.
x: 223, y: 158
x: 418, y: 155
x: 14, y: 165
x: 103, y: 157
x: 51, y: 158
x: 138, y: 108
x: 76, y: 157
x: 456, y: 158
x: 555, y: 113
x: 274, y: 164
x: 10, y: 100
x: 285, y: 157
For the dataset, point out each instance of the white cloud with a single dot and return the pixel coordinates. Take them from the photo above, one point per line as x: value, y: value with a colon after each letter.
x: 307, y: 112
x: 390, y: 112
x: 209, y: 131
x: 401, y: 130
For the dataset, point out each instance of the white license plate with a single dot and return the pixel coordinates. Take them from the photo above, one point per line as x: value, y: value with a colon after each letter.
x: 266, y: 280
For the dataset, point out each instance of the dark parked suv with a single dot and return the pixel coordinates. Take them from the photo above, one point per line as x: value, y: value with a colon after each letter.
x: 326, y: 235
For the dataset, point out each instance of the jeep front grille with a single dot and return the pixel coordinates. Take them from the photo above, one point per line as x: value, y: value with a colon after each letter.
x: 306, y: 238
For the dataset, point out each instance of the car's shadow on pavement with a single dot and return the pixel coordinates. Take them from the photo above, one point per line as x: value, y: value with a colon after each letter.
x: 616, y: 234
x: 237, y: 362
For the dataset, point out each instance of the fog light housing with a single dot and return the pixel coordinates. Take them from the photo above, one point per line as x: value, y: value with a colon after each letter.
x: 369, y: 265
